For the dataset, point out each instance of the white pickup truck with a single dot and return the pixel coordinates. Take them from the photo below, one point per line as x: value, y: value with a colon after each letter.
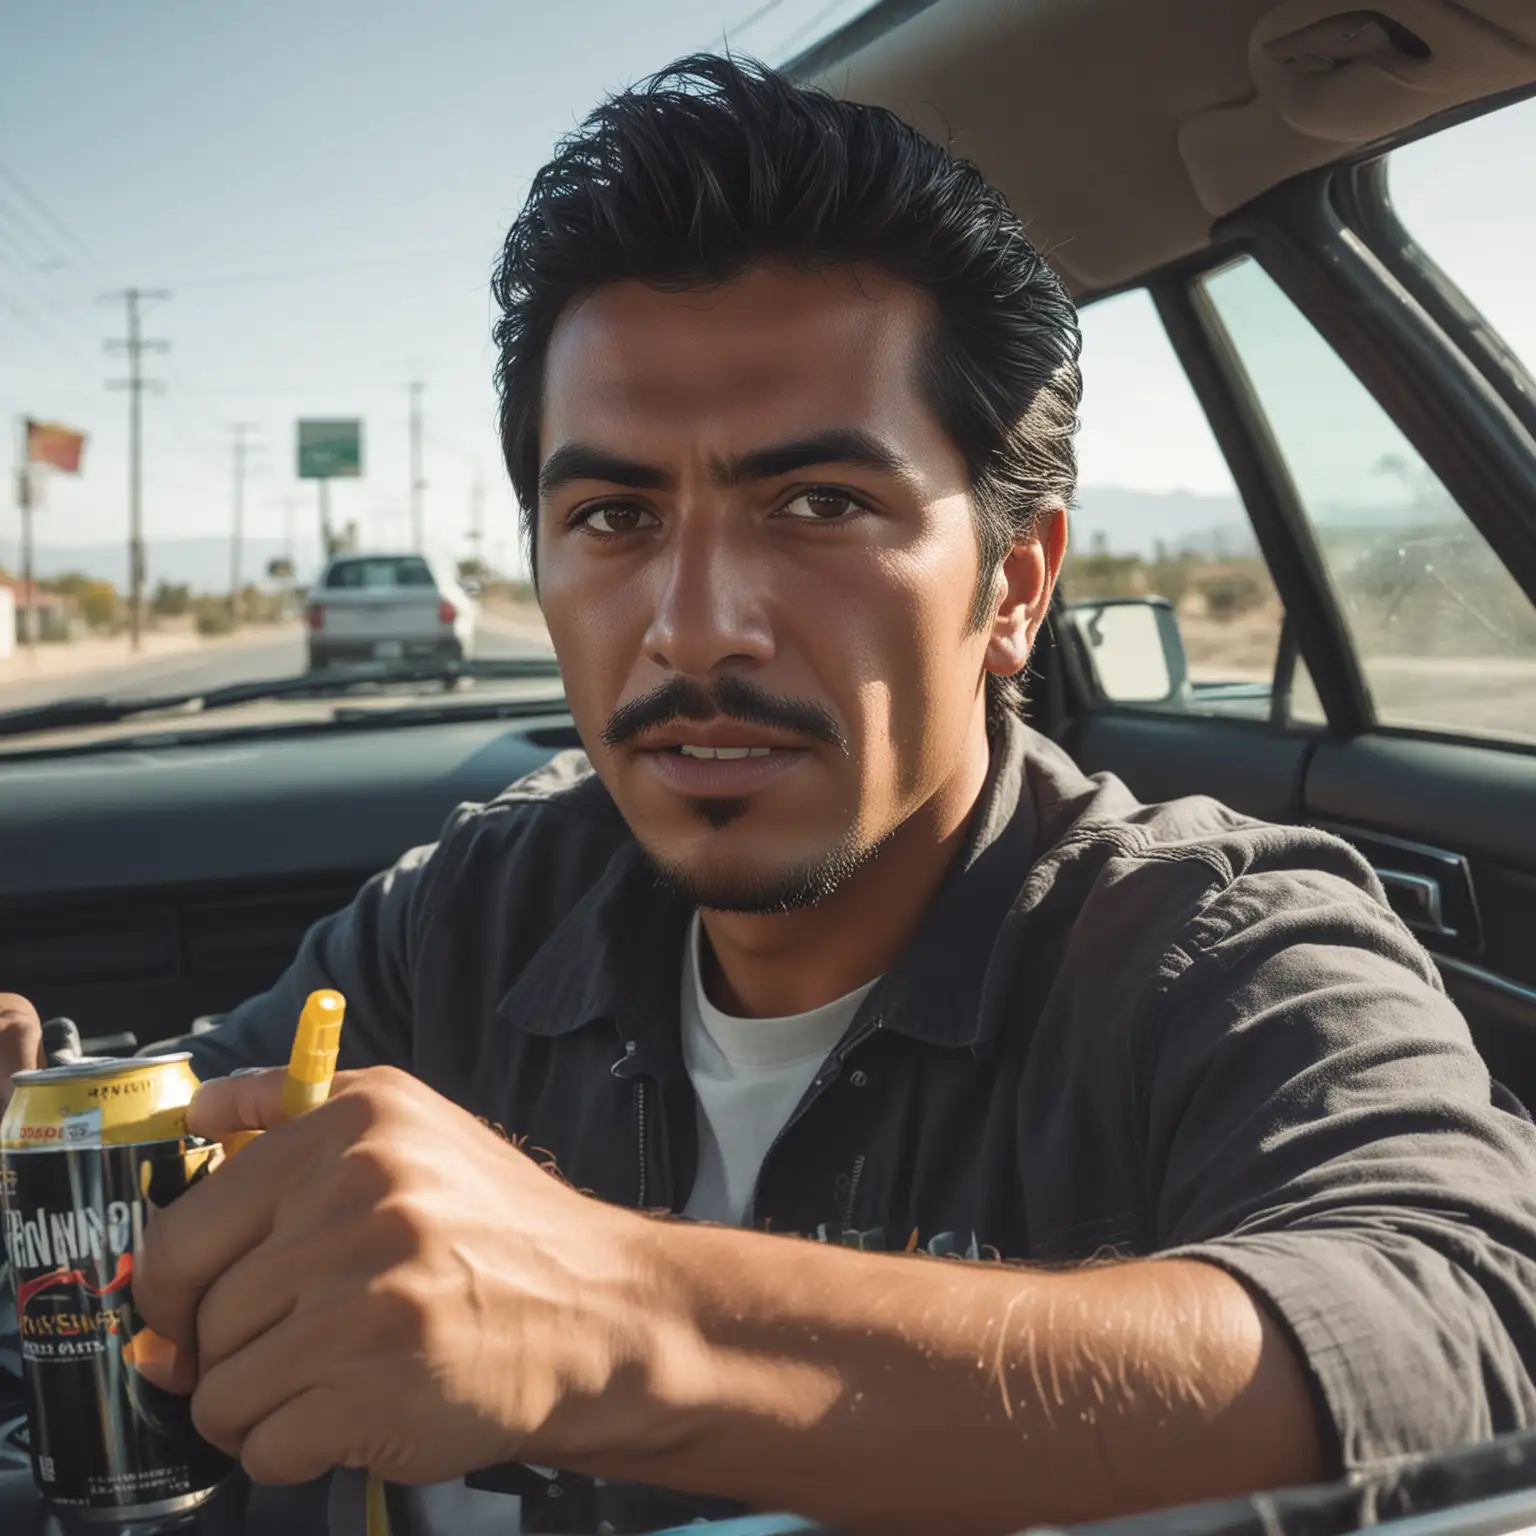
x: 384, y: 607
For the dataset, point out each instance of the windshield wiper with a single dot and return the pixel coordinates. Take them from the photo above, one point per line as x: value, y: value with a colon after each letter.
x: 102, y: 709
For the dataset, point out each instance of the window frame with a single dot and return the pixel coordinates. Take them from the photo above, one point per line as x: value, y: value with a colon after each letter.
x: 1429, y: 387
x: 1331, y: 242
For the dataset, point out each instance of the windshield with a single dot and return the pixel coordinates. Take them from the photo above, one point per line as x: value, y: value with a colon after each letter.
x: 280, y: 225
x: 362, y: 575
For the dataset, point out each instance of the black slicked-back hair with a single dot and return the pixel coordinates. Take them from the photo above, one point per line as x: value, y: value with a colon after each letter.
x: 714, y: 166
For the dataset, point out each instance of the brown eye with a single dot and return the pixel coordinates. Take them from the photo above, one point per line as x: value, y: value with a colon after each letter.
x: 822, y: 506
x: 617, y: 517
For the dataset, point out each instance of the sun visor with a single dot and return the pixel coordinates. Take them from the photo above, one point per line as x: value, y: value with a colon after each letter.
x: 1330, y: 78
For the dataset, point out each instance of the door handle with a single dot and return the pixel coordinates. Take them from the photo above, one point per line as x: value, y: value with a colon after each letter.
x: 1417, y: 899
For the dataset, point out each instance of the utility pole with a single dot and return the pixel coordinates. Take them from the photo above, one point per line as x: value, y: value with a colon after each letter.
x: 418, y: 485
x: 26, y: 491
x: 134, y: 346
x: 238, y: 431
x: 477, y: 522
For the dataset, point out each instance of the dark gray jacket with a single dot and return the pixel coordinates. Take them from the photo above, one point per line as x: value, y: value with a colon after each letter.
x: 1122, y: 1030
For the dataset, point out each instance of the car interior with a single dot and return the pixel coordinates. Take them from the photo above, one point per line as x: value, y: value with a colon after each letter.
x: 1226, y: 167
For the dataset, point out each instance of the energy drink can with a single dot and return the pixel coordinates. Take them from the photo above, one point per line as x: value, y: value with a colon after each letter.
x: 85, y: 1150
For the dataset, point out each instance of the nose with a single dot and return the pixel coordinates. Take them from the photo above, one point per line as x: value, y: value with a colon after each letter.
x: 710, y: 612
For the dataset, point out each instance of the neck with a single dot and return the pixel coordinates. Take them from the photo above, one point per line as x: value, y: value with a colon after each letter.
x: 771, y: 967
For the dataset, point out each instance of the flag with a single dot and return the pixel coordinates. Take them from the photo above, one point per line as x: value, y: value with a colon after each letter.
x: 49, y: 443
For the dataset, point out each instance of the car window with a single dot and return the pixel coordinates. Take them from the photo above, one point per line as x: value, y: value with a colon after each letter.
x: 1445, y: 637
x: 1464, y: 195
x: 1157, y: 515
x: 394, y: 571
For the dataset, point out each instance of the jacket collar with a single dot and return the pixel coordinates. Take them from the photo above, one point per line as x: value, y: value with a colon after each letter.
x: 618, y: 953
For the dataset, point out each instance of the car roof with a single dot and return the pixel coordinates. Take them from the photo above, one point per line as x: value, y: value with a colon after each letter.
x: 1121, y: 130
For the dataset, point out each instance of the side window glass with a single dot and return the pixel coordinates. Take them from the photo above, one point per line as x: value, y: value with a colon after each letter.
x: 1157, y: 516
x: 1446, y: 638
x: 1464, y: 195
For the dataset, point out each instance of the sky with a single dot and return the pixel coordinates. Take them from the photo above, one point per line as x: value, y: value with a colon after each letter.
x: 322, y: 186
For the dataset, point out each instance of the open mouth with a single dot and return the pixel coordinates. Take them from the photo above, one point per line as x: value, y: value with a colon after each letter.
x: 707, y: 772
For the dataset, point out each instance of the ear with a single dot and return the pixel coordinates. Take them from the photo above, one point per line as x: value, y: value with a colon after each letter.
x: 1026, y: 580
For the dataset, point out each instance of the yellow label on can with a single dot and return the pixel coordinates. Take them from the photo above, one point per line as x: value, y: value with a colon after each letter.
x: 99, y: 1104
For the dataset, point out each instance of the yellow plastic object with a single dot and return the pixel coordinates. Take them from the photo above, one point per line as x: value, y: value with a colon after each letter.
x: 312, y: 1064
x: 376, y: 1510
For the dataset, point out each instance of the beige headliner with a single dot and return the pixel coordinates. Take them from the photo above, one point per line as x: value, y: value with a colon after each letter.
x: 1120, y: 129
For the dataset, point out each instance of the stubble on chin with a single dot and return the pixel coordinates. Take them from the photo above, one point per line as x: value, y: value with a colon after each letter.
x: 757, y: 892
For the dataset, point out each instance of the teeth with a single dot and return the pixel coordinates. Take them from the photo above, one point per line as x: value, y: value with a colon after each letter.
x: 725, y: 754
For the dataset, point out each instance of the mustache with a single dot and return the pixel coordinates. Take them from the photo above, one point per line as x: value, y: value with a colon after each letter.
x: 735, y: 698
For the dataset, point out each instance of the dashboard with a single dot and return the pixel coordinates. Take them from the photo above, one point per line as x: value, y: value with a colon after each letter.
x: 145, y: 885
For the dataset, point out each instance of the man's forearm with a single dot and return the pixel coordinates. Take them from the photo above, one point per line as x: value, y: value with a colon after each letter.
x: 887, y: 1393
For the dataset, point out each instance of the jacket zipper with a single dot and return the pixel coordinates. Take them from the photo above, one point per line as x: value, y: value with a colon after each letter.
x: 853, y: 1189
x: 818, y: 1086
x: 640, y: 1122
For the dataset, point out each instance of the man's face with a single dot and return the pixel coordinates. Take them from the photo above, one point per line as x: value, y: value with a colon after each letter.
x: 756, y: 558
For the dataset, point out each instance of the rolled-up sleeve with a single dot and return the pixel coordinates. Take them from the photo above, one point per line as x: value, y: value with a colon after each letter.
x: 1320, y: 1125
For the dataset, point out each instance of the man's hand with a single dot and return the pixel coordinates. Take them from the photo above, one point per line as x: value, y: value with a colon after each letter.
x: 21, y: 1040
x: 385, y: 1283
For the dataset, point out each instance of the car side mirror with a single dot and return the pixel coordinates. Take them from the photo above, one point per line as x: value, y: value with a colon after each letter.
x: 470, y: 585
x: 1132, y: 648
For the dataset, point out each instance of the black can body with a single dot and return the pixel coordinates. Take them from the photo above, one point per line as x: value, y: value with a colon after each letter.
x: 107, y: 1444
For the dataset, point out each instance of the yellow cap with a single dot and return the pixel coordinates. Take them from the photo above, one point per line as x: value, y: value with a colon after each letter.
x: 315, y: 1046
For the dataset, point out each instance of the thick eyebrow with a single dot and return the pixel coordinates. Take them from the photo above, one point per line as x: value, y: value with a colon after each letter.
x: 581, y: 461
x: 837, y: 445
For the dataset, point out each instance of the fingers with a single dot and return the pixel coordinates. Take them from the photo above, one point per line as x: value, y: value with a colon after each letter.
x: 160, y: 1362
x: 221, y: 1219
x: 256, y: 1294
x: 235, y: 1398
x: 191, y: 1242
x: 253, y: 1101
x: 296, y: 1443
x: 21, y: 1039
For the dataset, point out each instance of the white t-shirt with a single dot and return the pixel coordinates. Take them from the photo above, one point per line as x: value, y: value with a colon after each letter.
x: 748, y: 1076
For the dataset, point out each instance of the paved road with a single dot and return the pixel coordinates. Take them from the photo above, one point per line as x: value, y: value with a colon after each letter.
x: 190, y: 671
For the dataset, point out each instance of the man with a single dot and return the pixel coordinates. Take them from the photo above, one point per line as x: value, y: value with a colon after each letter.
x: 819, y: 939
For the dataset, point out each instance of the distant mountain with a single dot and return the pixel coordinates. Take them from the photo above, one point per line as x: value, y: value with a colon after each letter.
x: 1133, y: 523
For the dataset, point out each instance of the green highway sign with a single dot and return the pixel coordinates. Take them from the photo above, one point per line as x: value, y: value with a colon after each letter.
x: 330, y: 450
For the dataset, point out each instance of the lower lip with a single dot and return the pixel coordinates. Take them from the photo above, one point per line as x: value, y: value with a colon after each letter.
x: 722, y: 777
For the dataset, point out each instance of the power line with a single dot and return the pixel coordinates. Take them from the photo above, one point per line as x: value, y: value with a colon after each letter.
x: 807, y: 29
x: 749, y: 21
x: 24, y: 263
x: 43, y: 212
x: 134, y: 346
x: 39, y: 301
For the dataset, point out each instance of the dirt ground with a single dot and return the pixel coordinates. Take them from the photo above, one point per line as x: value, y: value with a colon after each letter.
x: 1241, y: 649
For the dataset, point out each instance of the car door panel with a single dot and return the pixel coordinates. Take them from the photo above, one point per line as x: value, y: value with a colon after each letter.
x: 1419, y: 806
x: 1160, y: 757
